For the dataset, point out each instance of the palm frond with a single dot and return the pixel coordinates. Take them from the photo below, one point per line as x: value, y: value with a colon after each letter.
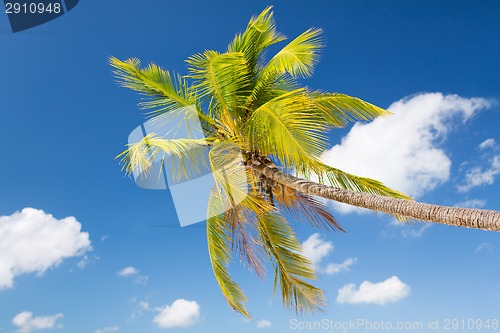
x: 229, y: 173
x: 268, y: 87
x: 220, y: 77
x: 305, y: 208
x: 232, y: 179
x: 339, y: 109
x: 187, y: 154
x: 163, y: 91
x: 291, y: 267
x: 283, y: 127
x: 219, y: 250
x: 298, y: 57
x: 241, y: 222
x: 259, y: 34
x: 341, y: 179
x: 233, y: 183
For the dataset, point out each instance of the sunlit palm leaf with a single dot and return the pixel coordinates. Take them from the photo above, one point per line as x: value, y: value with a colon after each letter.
x: 163, y: 93
x: 341, y: 179
x: 291, y: 267
x: 187, y: 154
x: 266, y: 89
x: 259, y: 34
x: 220, y: 77
x: 219, y: 250
x: 297, y: 59
x: 338, y: 109
x: 233, y: 183
x: 229, y: 174
x: 283, y: 127
x: 299, y: 56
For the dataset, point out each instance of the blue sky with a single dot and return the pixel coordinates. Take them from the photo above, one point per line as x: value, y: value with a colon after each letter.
x: 435, y: 64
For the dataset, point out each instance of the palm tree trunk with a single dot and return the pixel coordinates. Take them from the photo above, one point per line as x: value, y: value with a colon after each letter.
x: 456, y: 216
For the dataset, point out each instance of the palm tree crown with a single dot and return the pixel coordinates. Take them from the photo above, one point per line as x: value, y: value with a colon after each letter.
x: 256, y: 109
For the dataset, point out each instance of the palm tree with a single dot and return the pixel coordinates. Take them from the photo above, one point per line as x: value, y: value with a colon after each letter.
x: 256, y: 109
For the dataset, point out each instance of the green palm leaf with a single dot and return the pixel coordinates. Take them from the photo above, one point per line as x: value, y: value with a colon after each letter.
x: 291, y: 267
x: 229, y: 175
x: 341, y: 179
x: 299, y: 56
x: 259, y: 34
x: 283, y: 127
x: 162, y: 91
x: 338, y: 110
x: 220, y: 77
x: 218, y: 239
x: 187, y: 155
x: 297, y: 59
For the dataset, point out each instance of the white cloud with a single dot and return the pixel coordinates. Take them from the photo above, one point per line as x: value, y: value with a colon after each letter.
x: 480, y: 176
x: 484, y: 174
x: 133, y: 273
x: 332, y: 269
x: 181, y: 313
x: 32, y: 241
x: 140, y: 308
x: 388, y: 291
x: 26, y: 323
x: 108, y: 329
x: 403, y: 150
x: 484, y: 246
x: 83, y: 262
x: 143, y: 305
x: 488, y: 143
x: 87, y: 260
x: 128, y: 271
x: 264, y: 324
x: 315, y: 249
x: 472, y: 203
